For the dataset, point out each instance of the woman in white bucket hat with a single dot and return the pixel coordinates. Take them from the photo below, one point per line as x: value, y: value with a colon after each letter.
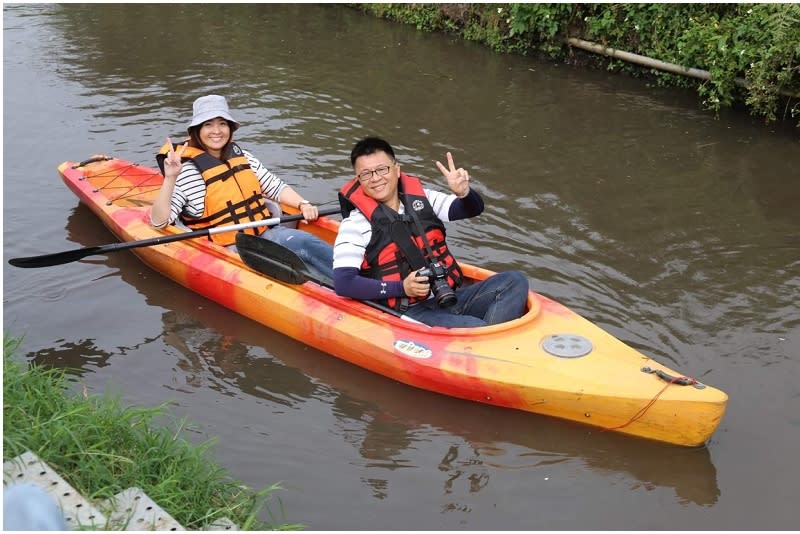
x: 210, y: 181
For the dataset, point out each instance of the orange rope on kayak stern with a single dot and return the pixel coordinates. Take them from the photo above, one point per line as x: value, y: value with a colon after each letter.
x: 685, y: 380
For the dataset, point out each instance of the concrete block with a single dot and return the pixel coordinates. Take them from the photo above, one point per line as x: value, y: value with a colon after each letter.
x: 134, y: 510
x: 78, y: 511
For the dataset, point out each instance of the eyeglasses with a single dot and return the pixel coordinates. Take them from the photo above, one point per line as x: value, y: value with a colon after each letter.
x: 366, y: 176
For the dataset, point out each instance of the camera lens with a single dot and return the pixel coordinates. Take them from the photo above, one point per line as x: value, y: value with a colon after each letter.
x: 445, y: 297
x: 437, y: 278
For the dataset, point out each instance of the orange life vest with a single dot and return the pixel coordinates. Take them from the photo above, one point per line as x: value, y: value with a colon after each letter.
x: 233, y: 192
x: 396, y: 247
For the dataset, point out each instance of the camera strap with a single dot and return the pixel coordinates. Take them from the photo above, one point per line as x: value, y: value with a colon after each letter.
x: 403, y: 238
x: 410, y: 212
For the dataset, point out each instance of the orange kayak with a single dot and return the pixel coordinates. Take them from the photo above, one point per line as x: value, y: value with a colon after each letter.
x: 551, y: 361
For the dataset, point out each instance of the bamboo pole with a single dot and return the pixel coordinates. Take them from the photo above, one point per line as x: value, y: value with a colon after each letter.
x: 653, y: 63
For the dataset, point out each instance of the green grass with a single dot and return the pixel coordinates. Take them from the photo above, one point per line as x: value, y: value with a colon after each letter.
x: 101, y: 448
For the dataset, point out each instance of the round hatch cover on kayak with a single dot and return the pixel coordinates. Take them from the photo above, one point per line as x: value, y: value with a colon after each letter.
x: 567, y: 345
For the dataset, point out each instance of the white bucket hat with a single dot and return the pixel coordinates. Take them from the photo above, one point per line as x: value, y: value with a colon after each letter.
x: 210, y: 107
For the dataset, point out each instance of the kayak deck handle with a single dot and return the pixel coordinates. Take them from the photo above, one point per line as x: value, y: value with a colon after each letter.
x: 679, y: 380
x: 93, y: 159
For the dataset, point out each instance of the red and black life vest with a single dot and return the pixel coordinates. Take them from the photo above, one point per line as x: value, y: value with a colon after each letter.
x: 396, y: 247
x: 233, y: 192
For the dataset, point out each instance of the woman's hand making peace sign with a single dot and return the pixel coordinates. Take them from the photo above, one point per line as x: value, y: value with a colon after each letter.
x: 172, y: 163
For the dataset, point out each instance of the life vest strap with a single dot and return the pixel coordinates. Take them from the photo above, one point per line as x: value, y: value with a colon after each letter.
x: 227, y: 174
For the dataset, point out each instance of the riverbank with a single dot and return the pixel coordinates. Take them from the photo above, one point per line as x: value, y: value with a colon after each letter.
x: 733, y: 55
x: 101, y: 447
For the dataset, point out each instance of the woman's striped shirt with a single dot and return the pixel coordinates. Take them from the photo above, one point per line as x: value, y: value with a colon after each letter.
x: 189, y: 195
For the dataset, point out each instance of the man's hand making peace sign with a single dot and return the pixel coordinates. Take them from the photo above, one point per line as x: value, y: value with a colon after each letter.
x: 457, y: 179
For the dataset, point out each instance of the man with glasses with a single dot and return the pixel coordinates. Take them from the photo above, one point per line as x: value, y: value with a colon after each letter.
x: 391, y: 245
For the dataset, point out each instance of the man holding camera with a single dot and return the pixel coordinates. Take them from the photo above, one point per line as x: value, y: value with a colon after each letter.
x: 391, y: 245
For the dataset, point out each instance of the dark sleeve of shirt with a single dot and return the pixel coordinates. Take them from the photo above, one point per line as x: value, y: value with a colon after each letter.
x: 464, y: 208
x: 347, y: 282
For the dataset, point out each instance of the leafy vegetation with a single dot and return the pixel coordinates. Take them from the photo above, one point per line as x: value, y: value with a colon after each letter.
x: 752, y: 51
x: 102, y: 448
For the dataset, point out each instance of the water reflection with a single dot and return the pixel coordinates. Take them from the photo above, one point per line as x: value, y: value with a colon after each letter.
x: 497, y: 439
x: 223, y: 363
x: 79, y: 357
x: 383, y: 420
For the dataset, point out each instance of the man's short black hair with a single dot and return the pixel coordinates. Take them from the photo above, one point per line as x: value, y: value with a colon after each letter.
x: 370, y: 145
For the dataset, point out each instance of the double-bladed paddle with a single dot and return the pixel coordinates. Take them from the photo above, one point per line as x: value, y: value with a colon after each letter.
x: 59, y: 258
x: 277, y: 261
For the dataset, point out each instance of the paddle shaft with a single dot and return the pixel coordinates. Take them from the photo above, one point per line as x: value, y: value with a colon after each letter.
x: 59, y: 258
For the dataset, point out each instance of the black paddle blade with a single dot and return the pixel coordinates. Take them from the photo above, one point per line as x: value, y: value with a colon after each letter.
x: 271, y: 259
x: 57, y: 258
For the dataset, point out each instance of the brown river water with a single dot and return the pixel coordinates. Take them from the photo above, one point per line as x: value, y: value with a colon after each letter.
x: 675, y: 230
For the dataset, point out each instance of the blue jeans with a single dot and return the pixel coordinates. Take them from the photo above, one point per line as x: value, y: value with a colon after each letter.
x: 315, y: 252
x: 500, y: 298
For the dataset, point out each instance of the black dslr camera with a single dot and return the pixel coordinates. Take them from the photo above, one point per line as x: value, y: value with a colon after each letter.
x: 437, y: 278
